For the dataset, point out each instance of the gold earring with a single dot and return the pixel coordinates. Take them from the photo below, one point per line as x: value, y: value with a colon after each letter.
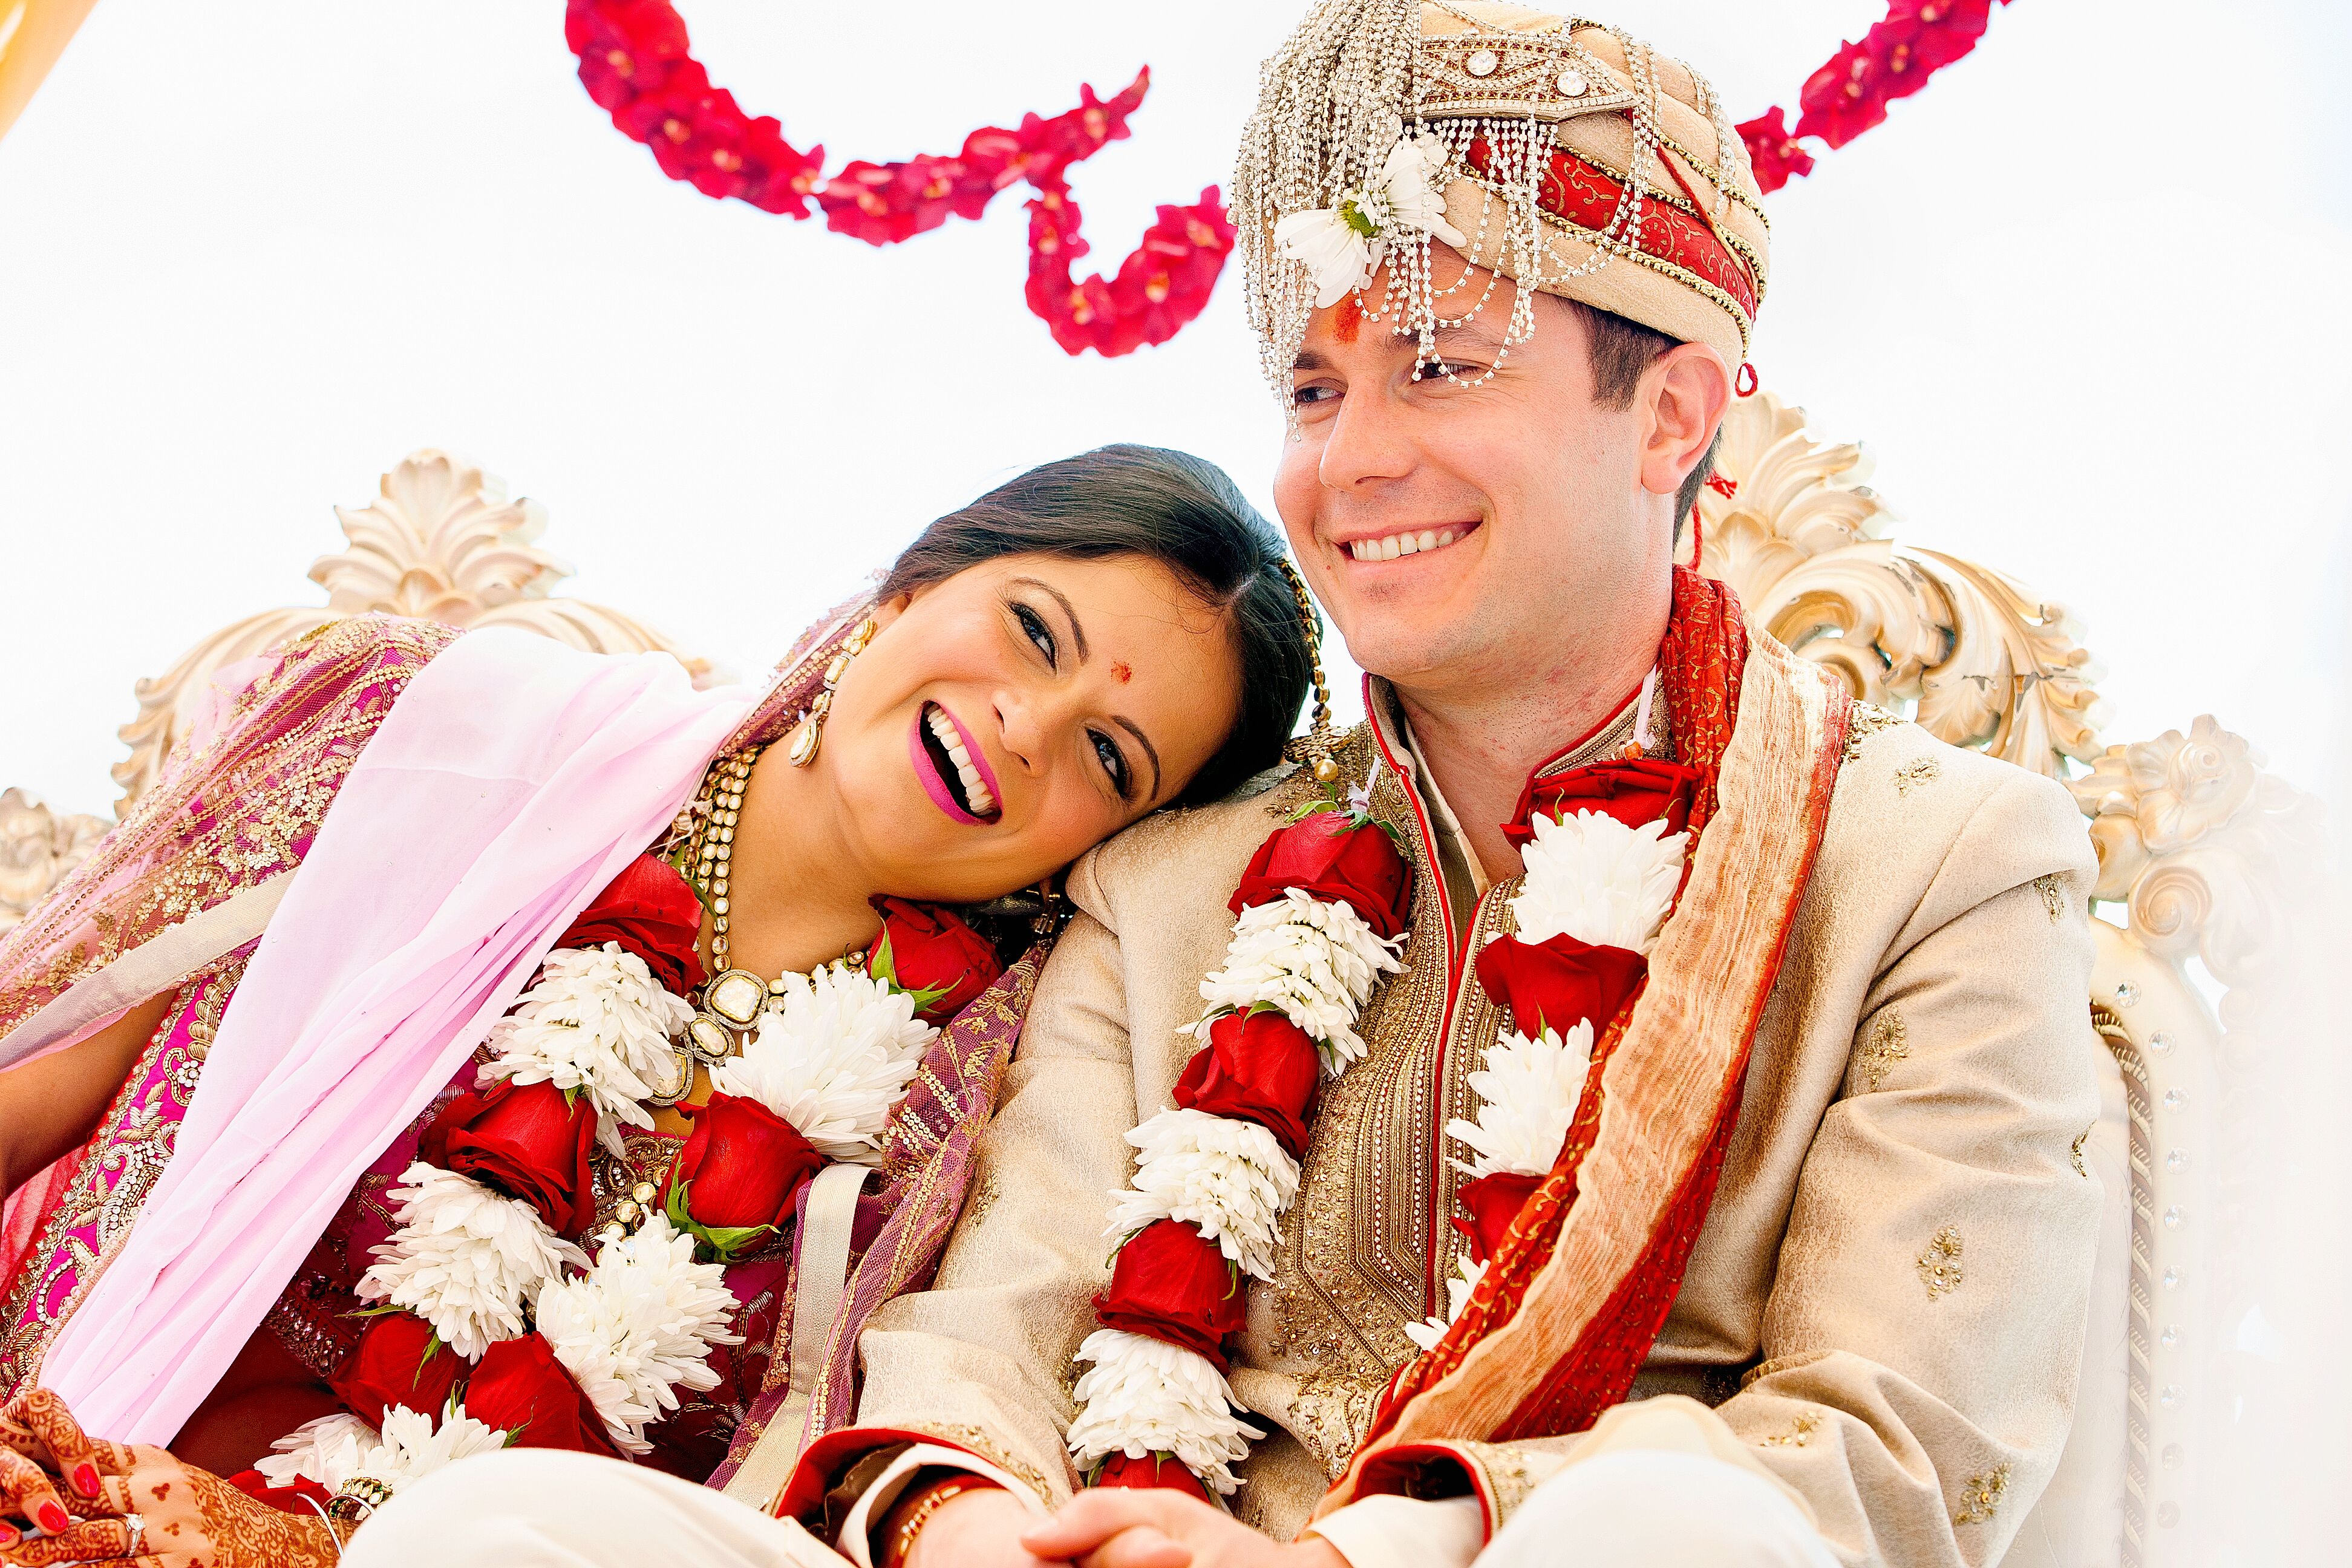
x: 809, y: 734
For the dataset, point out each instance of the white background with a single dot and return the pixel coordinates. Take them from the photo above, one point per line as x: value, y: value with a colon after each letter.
x: 2084, y: 299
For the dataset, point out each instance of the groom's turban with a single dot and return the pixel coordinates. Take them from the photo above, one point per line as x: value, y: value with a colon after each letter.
x: 1563, y: 154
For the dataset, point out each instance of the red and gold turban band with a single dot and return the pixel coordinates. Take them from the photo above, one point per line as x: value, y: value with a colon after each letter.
x: 1563, y: 154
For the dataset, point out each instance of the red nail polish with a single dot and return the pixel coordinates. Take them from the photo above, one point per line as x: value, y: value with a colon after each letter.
x: 53, y: 1519
x: 85, y: 1479
x: 7, y: 1535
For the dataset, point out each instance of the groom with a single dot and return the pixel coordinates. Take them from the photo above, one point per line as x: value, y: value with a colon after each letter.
x: 1808, y: 1281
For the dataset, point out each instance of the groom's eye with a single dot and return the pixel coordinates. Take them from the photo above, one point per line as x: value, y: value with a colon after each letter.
x: 1033, y: 626
x: 1307, y: 396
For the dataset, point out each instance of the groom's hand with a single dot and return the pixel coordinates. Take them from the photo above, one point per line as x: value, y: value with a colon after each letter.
x: 1153, y: 1527
x: 977, y: 1529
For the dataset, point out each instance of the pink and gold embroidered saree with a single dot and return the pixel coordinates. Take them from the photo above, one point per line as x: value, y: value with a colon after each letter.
x: 348, y: 870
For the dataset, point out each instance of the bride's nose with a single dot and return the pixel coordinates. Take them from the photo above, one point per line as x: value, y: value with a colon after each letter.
x: 1027, y: 718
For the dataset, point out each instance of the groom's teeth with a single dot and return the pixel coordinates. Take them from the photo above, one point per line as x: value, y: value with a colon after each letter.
x: 1389, y: 547
x: 951, y: 741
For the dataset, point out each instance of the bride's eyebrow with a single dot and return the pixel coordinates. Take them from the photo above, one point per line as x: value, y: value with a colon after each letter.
x: 1135, y: 729
x: 1077, y: 632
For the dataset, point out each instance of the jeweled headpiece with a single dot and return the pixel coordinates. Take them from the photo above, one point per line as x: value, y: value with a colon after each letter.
x: 1554, y: 151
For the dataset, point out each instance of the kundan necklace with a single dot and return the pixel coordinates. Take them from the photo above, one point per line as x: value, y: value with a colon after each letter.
x: 730, y: 1003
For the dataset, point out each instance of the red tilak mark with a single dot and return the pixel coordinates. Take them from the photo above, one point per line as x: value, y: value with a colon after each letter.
x: 1122, y: 672
x: 1349, y: 321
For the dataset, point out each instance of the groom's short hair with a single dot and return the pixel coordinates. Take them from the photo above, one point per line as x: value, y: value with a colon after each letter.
x: 1620, y: 350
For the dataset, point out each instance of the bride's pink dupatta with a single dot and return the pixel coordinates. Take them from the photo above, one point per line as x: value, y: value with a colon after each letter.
x: 511, y: 780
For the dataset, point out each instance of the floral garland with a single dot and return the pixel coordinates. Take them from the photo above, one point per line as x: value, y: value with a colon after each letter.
x: 635, y: 63
x: 1849, y: 94
x: 495, y: 1325
x: 1319, y: 918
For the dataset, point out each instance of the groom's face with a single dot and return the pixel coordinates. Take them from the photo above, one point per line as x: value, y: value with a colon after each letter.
x: 1459, y: 534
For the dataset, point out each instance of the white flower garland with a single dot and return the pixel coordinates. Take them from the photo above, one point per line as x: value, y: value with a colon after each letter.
x: 466, y: 1259
x: 1317, y: 962
x: 1343, y: 246
x: 335, y: 1450
x: 637, y: 1326
x: 598, y: 1023
x: 833, y: 1055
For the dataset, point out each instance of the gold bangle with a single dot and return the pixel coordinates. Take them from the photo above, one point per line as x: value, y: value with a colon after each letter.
x: 910, y: 1514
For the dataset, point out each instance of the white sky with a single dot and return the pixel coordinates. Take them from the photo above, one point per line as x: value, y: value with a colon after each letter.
x: 2083, y: 297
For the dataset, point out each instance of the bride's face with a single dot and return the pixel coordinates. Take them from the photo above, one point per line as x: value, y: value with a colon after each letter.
x: 1006, y: 720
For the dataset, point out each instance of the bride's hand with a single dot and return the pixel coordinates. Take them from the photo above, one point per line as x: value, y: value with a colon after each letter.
x: 132, y: 1504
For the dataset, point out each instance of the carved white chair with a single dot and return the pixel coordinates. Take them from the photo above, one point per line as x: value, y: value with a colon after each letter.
x: 2191, y: 835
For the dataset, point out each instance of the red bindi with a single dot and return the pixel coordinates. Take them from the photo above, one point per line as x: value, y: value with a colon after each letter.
x: 1350, y: 319
x: 1122, y: 672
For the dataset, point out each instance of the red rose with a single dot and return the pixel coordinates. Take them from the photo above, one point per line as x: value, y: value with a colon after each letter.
x: 528, y: 1141
x: 652, y: 911
x: 1257, y: 1066
x: 1491, y: 1203
x: 1151, y: 1470
x: 747, y: 1164
x: 926, y: 949
x: 1774, y: 154
x: 285, y: 1500
x: 519, y: 1388
x: 1173, y: 1284
x: 1560, y: 983
x: 1325, y: 859
x: 1633, y: 790
x: 389, y: 1367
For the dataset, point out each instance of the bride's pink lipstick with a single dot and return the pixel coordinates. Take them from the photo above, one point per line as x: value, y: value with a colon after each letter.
x: 934, y: 783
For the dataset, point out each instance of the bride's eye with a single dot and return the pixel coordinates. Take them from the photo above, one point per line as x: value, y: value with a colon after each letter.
x: 1033, y: 626
x: 1114, y: 761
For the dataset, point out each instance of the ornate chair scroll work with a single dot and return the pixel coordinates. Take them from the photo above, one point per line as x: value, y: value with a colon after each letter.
x: 442, y: 542
x: 2192, y: 840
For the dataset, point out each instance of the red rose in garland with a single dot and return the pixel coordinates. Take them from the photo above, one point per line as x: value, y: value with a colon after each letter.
x: 1172, y: 1284
x: 519, y: 1388
x: 285, y: 1500
x: 1558, y: 983
x: 1151, y: 1470
x: 529, y: 1140
x: 1328, y: 856
x: 739, y: 1171
x: 1633, y: 791
x: 652, y: 911
x: 1493, y: 1202
x: 391, y: 1365
x: 1259, y: 1067
x: 932, y: 953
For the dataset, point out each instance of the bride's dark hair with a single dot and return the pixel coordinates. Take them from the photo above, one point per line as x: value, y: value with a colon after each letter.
x: 1169, y: 507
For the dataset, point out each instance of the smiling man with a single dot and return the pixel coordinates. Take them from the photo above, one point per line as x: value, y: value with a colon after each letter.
x: 1699, y: 1187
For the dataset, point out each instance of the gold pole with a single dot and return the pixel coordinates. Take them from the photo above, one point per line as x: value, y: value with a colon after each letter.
x: 33, y: 34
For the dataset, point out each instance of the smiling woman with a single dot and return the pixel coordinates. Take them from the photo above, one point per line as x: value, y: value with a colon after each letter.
x: 586, y: 1095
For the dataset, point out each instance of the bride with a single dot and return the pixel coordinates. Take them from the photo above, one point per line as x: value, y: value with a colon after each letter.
x: 472, y: 1042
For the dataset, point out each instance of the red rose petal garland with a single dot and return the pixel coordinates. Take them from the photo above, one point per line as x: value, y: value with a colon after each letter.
x: 1319, y: 912
x: 1849, y: 94
x: 497, y: 1328
x: 635, y: 63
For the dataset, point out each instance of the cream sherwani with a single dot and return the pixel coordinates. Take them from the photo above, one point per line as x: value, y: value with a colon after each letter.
x: 1884, y: 1310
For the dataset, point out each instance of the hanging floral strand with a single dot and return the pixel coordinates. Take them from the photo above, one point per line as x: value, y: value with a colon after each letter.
x: 1850, y: 93
x: 635, y: 63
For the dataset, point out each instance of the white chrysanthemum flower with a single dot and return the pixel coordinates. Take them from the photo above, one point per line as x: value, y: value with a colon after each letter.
x: 1592, y: 878
x: 1143, y: 1396
x: 638, y: 1326
x: 1338, y: 257
x: 1409, y: 181
x: 1231, y: 1178
x: 831, y: 1057
x: 1528, y: 1091
x: 412, y: 1447
x: 464, y: 1258
x: 597, y: 1021
x: 328, y: 1451
x: 1429, y: 1331
x: 1315, y: 962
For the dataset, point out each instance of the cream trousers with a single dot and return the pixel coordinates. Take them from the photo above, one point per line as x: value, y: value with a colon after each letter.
x: 540, y: 1507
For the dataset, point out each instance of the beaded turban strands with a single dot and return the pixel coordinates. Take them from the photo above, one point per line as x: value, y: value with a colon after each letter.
x: 1557, y: 151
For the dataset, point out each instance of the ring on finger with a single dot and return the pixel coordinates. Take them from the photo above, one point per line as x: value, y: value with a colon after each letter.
x: 138, y: 1528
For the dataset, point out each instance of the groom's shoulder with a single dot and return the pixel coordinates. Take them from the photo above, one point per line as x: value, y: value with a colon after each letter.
x: 1182, y: 865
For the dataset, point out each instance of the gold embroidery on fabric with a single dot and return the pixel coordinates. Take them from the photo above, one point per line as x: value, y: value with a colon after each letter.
x: 2085, y: 1137
x: 1889, y: 1042
x: 1939, y: 1266
x: 1981, y: 1498
x: 1868, y: 720
x: 983, y: 1198
x: 1509, y: 1476
x: 2052, y: 886
x: 1917, y: 771
x: 987, y: 1447
x: 1799, y: 1434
